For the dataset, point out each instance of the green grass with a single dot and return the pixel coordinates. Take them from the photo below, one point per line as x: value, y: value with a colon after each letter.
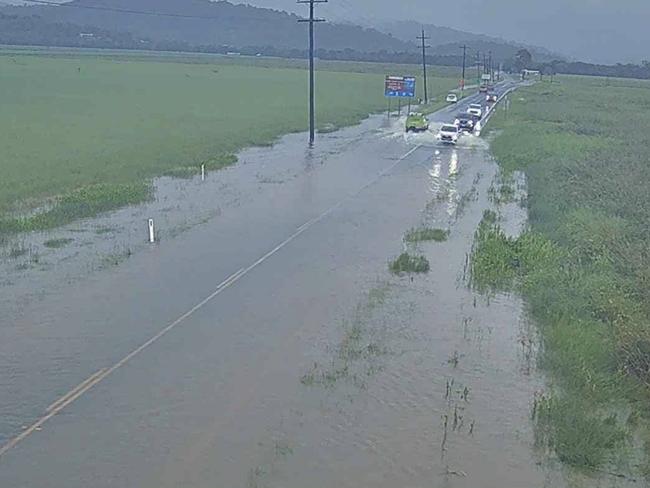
x: 583, y: 266
x: 407, y: 263
x: 75, y: 120
x: 87, y: 201
x: 426, y: 234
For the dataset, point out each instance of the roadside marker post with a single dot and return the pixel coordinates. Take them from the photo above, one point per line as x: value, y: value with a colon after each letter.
x: 152, y: 235
x: 203, y: 172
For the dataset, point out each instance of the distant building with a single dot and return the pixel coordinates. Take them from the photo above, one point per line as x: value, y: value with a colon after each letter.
x: 86, y: 34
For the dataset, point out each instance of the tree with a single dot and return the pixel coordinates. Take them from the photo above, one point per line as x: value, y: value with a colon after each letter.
x: 548, y: 70
x: 523, y: 59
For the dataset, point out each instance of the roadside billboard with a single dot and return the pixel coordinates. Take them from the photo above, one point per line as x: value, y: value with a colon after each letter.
x: 399, y: 86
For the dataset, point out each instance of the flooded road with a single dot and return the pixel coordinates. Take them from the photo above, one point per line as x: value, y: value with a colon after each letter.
x: 264, y: 343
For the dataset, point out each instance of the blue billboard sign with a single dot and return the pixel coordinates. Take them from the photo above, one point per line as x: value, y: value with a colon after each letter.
x: 400, y: 86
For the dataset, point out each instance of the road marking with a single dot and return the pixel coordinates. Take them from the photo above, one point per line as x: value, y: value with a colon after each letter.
x: 102, y: 374
x: 74, y: 390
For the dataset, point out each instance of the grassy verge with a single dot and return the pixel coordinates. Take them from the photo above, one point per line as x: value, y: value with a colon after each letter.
x: 85, y: 202
x: 105, y: 122
x: 584, y: 265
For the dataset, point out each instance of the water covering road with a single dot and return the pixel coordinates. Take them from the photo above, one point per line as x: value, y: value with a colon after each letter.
x: 269, y: 346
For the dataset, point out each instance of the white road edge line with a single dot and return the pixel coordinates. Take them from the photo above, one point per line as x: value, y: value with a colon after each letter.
x: 102, y: 374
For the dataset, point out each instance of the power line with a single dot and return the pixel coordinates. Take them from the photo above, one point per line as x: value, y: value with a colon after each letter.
x: 311, y: 20
x: 424, y: 38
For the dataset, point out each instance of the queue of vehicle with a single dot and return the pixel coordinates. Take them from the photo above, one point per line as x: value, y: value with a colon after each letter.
x: 464, y: 122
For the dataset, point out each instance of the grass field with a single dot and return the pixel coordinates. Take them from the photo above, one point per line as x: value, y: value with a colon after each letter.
x: 70, y: 121
x: 584, y: 265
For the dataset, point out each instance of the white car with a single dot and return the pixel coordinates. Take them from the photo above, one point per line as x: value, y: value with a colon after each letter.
x: 448, y: 134
x: 475, y: 109
x: 452, y: 98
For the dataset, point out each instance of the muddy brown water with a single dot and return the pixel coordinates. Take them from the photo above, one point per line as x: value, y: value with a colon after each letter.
x: 316, y: 367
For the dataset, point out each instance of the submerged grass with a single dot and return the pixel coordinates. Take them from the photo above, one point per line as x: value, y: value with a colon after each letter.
x: 358, y: 350
x: 426, y: 234
x: 407, y: 263
x: 57, y: 243
x: 584, y: 264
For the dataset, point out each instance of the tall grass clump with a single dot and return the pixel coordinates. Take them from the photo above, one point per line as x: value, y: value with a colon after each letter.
x: 583, y: 266
x: 407, y: 263
x: 426, y: 234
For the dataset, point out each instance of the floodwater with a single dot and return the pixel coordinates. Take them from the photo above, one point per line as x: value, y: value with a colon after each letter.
x: 263, y: 343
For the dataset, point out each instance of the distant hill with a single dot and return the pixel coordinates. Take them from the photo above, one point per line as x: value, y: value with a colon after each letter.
x: 224, y: 24
x: 445, y: 41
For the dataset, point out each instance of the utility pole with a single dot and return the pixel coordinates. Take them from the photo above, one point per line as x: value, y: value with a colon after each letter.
x: 424, y: 38
x: 312, y: 20
x: 478, y: 67
x: 464, y: 48
x: 490, y: 68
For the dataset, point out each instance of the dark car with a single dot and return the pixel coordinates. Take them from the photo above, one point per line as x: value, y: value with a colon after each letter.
x: 465, y: 122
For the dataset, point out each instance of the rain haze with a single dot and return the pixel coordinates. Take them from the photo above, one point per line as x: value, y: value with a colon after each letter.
x: 366, y: 244
x: 591, y: 30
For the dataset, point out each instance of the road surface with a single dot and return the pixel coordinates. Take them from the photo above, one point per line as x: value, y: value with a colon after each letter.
x: 204, y: 360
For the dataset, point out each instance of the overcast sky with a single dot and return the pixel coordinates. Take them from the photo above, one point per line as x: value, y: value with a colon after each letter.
x: 592, y: 30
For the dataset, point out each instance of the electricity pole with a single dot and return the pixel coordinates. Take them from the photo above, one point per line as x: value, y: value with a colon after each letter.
x: 478, y: 67
x: 312, y: 108
x: 464, y: 48
x: 424, y: 38
x: 490, y: 68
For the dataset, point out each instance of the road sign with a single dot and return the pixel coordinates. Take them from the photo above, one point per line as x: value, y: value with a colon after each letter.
x: 400, y: 86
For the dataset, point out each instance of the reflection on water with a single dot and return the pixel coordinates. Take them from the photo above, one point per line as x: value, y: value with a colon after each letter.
x: 453, y: 163
x: 435, y: 183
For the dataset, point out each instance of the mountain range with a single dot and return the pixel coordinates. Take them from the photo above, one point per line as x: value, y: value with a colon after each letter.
x: 179, y: 24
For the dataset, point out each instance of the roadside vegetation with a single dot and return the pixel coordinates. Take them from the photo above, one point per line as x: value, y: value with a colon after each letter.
x: 101, y: 127
x: 408, y: 263
x: 584, y: 264
x: 423, y: 234
x: 87, y: 201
